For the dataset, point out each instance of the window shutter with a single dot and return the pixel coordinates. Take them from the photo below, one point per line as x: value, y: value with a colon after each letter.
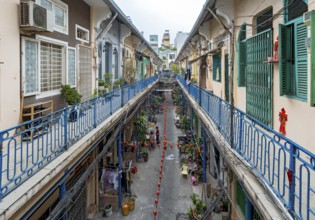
x: 216, y: 68
x: 242, y: 64
x: 282, y: 59
x: 313, y: 58
x: 241, y: 79
x: 301, y: 60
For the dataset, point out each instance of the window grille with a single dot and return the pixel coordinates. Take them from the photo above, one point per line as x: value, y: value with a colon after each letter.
x: 51, y: 66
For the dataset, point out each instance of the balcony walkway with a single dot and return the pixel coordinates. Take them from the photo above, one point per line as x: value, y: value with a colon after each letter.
x: 34, y: 154
x: 285, y: 169
x: 277, y: 162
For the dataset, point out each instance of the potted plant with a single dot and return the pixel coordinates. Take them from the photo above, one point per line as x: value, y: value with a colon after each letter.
x: 108, y: 76
x: 197, y: 209
x: 72, y: 97
x: 141, y: 128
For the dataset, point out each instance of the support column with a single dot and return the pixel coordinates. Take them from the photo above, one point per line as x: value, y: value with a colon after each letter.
x: 249, y: 209
x: 191, y: 118
x: 137, y: 139
x: 204, y: 155
x: 62, y: 193
x: 119, y: 169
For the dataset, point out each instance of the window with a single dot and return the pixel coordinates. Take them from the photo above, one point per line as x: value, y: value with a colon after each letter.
x: 30, y: 64
x: 43, y: 66
x: 60, y: 10
x: 71, y: 67
x: 241, y: 42
x: 295, y: 9
x: 264, y: 21
x: 82, y: 34
x: 293, y: 59
x: 216, y: 71
x: 51, y: 66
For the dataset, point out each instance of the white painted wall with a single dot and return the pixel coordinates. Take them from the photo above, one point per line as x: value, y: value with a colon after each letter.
x: 10, y: 69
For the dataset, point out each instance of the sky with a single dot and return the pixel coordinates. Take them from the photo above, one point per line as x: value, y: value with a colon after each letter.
x: 156, y: 16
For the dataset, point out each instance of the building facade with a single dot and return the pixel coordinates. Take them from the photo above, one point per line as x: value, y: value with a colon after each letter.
x: 166, y: 39
x: 154, y: 41
x: 179, y: 40
x: 261, y: 63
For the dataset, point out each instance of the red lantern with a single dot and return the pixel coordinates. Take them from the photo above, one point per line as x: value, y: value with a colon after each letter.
x: 157, y: 193
x: 156, y: 201
x: 161, y: 166
x: 159, y: 145
x: 159, y: 185
x: 160, y: 177
x: 154, y: 212
x: 160, y: 172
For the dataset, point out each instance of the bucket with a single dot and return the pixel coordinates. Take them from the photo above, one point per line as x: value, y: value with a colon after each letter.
x: 132, y: 203
x: 108, y: 210
x: 125, y: 208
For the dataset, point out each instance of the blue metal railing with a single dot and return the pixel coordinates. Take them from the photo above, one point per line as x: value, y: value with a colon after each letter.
x: 28, y: 147
x: 274, y: 157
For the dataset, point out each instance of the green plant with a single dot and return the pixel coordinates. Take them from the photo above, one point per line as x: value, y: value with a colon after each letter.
x: 198, y: 208
x: 141, y: 127
x: 101, y: 82
x: 108, y: 84
x: 108, y: 76
x: 184, y: 123
x: 71, y: 95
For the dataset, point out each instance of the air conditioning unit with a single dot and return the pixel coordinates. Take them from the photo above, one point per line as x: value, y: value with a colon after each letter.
x: 307, y: 17
x: 34, y: 17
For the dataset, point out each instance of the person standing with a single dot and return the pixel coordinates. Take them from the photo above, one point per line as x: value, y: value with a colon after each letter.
x: 157, y: 135
x: 151, y: 140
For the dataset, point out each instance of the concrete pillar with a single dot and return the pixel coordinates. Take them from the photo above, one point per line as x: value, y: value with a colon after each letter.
x: 119, y: 169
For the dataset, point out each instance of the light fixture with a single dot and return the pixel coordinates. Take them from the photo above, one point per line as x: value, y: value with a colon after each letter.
x: 115, y: 51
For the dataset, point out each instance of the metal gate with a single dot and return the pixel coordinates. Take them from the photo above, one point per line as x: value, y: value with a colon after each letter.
x: 259, y: 77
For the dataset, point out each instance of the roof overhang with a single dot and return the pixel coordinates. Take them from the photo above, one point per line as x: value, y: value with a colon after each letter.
x: 204, y: 15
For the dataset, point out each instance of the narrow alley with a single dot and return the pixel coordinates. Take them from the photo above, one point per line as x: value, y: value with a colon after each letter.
x: 230, y: 85
x: 175, y: 189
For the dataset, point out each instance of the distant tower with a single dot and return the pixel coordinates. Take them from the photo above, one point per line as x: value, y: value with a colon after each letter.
x: 154, y: 42
x: 166, y: 39
x: 180, y: 40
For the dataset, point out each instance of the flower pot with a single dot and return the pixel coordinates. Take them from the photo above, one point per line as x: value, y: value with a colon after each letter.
x: 145, y: 156
x: 125, y: 208
x: 108, y: 210
x: 132, y: 204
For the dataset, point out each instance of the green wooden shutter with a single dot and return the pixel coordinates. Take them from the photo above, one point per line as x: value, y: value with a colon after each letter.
x: 216, y: 76
x: 241, y: 79
x: 312, y: 59
x: 301, y: 60
x: 282, y: 59
x: 242, y: 64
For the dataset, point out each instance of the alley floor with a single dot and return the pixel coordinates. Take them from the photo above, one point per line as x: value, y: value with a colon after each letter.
x: 174, y: 200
